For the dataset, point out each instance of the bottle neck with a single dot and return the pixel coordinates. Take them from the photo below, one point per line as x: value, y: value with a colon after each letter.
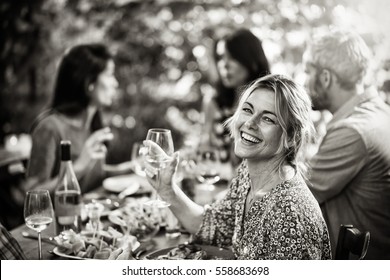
x: 66, y: 164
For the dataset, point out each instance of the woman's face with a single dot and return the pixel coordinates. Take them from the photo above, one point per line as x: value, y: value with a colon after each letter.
x: 233, y: 74
x: 257, y: 132
x: 105, y: 86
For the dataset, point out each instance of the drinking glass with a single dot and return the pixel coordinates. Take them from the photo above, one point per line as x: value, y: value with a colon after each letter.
x: 38, y: 213
x: 208, y: 164
x: 207, y: 172
x: 94, y: 212
x: 163, y: 138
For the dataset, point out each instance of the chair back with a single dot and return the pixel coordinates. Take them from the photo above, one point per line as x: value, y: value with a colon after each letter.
x: 352, y: 241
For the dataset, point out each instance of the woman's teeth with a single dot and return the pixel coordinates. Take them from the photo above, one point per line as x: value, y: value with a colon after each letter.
x: 250, y: 138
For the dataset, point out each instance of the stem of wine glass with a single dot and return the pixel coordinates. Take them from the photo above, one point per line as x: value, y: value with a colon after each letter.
x: 158, y: 179
x: 39, y: 246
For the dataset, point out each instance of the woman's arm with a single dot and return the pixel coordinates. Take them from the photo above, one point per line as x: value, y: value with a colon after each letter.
x: 44, y: 158
x: 214, y: 224
x: 187, y: 212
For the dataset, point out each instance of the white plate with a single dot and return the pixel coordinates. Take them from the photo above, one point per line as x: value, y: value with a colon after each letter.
x: 119, y: 183
x: 57, y: 251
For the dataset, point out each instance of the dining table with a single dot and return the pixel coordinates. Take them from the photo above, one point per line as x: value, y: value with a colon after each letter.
x: 30, y: 246
x: 158, y: 242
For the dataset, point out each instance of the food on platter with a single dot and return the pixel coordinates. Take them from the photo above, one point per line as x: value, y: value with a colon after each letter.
x: 140, y: 220
x: 93, y: 245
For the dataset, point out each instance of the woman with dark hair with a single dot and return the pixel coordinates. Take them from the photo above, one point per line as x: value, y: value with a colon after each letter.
x: 240, y: 59
x: 85, y: 84
x: 268, y: 211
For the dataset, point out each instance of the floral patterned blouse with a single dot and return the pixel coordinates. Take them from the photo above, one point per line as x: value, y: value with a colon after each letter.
x: 285, y: 224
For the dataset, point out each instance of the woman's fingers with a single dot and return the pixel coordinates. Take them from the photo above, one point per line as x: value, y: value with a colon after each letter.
x: 102, y: 135
x: 154, y: 149
x: 94, y: 145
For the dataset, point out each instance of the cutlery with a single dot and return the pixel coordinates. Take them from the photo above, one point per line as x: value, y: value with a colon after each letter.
x: 46, y: 239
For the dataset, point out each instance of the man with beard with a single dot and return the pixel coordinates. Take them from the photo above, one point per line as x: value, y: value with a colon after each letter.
x: 350, y: 174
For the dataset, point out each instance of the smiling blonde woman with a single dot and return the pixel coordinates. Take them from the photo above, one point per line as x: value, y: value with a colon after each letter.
x: 268, y: 211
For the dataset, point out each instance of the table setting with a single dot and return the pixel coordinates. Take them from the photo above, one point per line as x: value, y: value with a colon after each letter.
x: 126, y: 214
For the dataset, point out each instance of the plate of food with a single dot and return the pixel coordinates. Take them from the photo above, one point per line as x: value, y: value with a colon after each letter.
x: 142, y: 222
x: 93, y: 245
x: 192, y: 252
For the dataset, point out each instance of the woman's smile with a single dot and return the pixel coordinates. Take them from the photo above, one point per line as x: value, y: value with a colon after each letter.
x: 249, y: 139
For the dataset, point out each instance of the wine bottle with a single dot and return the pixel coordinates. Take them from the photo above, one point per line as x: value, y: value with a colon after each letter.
x: 67, y: 196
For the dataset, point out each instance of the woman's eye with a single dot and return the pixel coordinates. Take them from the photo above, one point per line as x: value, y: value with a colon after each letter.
x: 268, y: 120
x: 247, y: 110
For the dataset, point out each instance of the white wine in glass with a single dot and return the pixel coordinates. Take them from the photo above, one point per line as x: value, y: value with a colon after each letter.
x: 163, y: 138
x: 38, y: 213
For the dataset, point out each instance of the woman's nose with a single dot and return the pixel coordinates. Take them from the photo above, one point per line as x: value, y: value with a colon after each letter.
x: 251, y: 123
x: 222, y: 66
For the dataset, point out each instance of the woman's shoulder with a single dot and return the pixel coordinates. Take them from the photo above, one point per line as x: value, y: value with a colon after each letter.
x: 48, y: 120
x: 295, y: 191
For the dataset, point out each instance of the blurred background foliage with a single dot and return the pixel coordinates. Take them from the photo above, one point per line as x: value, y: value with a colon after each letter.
x: 162, y: 52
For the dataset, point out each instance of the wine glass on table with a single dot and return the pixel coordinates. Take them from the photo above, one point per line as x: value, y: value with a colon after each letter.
x: 163, y: 138
x: 208, y: 166
x: 38, y: 213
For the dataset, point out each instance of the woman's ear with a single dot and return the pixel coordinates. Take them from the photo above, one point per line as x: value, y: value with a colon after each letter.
x: 325, y: 78
x: 91, y: 87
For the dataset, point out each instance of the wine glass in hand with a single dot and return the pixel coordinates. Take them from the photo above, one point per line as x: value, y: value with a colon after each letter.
x: 38, y: 213
x: 163, y: 138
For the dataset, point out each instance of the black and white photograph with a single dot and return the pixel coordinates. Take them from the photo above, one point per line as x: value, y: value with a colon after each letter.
x: 221, y: 130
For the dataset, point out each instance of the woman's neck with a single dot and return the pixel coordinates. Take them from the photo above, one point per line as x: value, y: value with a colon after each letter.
x: 84, y: 118
x: 90, y: 113
x: 268, y: 173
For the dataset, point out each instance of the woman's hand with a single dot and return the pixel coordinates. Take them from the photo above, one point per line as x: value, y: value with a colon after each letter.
x: 93, y: 148
x: 163, y: 184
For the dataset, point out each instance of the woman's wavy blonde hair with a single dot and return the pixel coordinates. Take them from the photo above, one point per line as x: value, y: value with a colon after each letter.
x: 293, y: 107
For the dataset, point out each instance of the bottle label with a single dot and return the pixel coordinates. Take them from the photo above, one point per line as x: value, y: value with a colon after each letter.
x: 68, y: 210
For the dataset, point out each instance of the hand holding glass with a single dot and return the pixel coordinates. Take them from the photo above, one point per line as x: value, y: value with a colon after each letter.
x: 38, y: 213
x: 163, y: 138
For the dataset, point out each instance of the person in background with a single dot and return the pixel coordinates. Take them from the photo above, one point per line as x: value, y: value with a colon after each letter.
x: 239, y: 59
x: 268, y: 211
x: 85, y: 84
x: 350, y: 173
x: 9, y: 247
